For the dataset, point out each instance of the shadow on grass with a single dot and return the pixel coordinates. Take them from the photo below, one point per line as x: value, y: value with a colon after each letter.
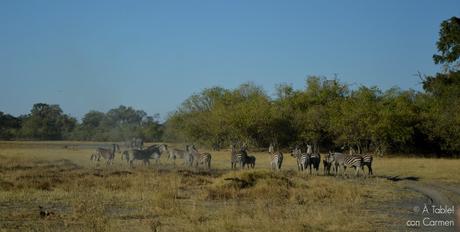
x: 400, y: 178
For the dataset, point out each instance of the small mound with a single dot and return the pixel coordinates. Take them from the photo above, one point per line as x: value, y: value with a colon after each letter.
x: 251, y: 184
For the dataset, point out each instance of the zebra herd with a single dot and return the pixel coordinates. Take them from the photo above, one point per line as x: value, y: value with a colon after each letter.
x: 333, y: 162
x: 190, y: 155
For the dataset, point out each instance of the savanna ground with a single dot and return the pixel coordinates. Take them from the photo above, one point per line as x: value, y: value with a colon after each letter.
x: 85, y: 196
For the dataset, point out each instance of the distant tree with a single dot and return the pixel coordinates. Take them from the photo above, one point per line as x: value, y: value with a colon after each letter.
x: 9, y: 126
x: 449, y: 44
x: 47, y: 122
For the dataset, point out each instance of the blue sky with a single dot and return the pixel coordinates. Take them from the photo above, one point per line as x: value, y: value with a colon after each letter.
x: 96, y: 55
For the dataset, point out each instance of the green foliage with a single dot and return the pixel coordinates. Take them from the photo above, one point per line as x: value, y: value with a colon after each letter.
x: 9, y: 125
x: 441, y: 110
x: 449, y: 43
x: 119, y: 124
x: 47, y: 122
x: 326, y: 113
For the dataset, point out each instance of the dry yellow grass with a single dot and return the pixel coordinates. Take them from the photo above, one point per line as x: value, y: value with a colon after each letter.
x: 90, y: 197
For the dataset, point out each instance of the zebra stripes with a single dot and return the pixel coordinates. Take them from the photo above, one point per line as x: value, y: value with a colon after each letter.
x: 306, y: 160
x: 238, y: 157
x: 303, y: 160
x: 276, y: 158
x: 197, y: 158
x: 367, y: 161
x: 144, y: 155
x: 342, y: 160
x: 105, y: 153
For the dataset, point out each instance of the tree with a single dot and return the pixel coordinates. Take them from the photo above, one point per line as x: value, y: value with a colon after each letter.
x: 9, y: 126
x: 47, y: 122
x: 449, y: 44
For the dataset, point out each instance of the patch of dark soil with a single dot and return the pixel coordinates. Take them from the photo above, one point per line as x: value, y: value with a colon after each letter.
x: 189, y: 173
x: 17, y: 167
x: 6, y: 185
x: 121, y: 173
x: 400, y: 178
x: 137, y: 217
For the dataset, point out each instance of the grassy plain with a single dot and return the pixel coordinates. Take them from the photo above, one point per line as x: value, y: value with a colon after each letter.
x: 85, y: 196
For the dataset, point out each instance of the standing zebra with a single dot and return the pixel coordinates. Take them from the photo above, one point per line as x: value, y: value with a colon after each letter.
x: 303, y: 159
x: 157, y: 155
x: 175, y: 153
x: 344, y: 160
x: 105, y: 153
x: 199, y: 158
x: 315, y: 160
x: 367, y: 161
x: 145, y: 155
x: 326, y: 167
x: 276, y: 158
x: 238, y: 157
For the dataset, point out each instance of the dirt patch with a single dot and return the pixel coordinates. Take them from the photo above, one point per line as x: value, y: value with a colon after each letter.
x: 6, y: 185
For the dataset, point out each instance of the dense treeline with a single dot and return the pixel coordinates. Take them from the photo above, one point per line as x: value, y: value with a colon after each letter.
x: 326, y: 113
x: 48, y: 122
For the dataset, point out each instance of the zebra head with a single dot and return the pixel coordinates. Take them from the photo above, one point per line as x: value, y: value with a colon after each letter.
x: 163, y: 148
x: 296, y: 152
x: 330, y: 157
x: 271, y: 148
x: 309, y: 150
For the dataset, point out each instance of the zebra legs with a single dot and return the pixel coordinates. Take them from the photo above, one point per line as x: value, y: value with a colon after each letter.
x: 369, y: 167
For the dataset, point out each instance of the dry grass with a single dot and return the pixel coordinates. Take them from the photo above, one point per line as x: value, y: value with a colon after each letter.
x: 89, y: 197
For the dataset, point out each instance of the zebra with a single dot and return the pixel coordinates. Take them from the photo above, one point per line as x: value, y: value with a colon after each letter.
x: 250, y: 161
x: 344, y: 160
x: 197, y: 158
x: 303, y: 159
x: 276, y: 158
x: 326, y: 166
x: 238, y: 156
x: 315, y: 160
x: 105, y: 153
x: 175, y: 153
x: 125, y: 155
x: 367, y: 161
x: 145, y: 155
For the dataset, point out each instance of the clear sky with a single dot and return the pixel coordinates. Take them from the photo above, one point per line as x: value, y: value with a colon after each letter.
x: 96, y: 55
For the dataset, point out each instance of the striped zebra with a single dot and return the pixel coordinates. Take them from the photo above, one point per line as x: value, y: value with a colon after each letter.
x: 303, y: 159
x: 276, y: 158
x: 175, y: 153
x: 198, y: 158
x: 326, y: 167
x: 238, y: 157
x: 145, y: 155
x: 344, y: 161
x: 105, y: 153
x: 367, y: 161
